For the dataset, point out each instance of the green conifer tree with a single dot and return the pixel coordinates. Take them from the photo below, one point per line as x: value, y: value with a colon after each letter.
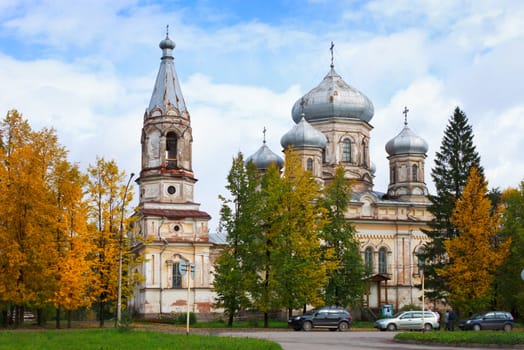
x: 452, y: 166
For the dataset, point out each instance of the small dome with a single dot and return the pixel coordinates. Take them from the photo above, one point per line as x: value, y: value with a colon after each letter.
x: 406, y: 142
x: 167, y: 43
x: 303, y: 135
x: 333, y: 98
x: 264, y: 157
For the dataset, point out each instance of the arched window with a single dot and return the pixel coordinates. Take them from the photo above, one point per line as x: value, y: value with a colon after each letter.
x: 309, y: 164
x: 393, y: 175
x: 171, y: 144
x: 177, y: 277
x: 364, y: 153
x: 368, y: 259
x: 323, y: 156
x: 382, y: 261
x: 414, y: 172
x: 346, y: 151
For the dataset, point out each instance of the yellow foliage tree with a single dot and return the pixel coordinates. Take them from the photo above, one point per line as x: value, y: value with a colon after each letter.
x: 33, y: 224
x: 477, y: 252
x: 106, y: 191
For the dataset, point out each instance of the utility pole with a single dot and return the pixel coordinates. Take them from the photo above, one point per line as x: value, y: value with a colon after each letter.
x: 119, y: 302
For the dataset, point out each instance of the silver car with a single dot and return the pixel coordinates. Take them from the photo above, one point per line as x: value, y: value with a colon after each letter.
x: 410, y: 320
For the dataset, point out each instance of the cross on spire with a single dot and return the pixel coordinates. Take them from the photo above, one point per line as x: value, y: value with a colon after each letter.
x: 167, y: 30
x: 405, y: 112
x: 331, y: 49
x: 264, y: 132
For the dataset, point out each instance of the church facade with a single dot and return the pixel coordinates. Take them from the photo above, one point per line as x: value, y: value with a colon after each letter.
x: 331, y: 126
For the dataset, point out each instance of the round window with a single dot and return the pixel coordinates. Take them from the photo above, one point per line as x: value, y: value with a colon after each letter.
x: 177, y: 228
x: 171, y: 189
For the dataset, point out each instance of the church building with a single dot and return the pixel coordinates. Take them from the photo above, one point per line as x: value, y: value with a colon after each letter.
x: 331, y: 126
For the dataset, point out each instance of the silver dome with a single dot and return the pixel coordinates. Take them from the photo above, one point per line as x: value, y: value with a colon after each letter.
x: 406, y: 142
x: 264, y: 157
x: 333, y: 98
x: 303, y: 135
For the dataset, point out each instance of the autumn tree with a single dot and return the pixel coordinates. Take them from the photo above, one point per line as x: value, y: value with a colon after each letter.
x: 474, y: 253
x: 74, y: 248
x: 106, y: 192
x: 453, y: 162
x: 345, y: 285
x: 293, y: 219
x: 510, y: 287
x: 37, y: 202
x: 235, y: 266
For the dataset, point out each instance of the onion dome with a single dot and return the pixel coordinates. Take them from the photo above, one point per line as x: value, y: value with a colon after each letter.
x: 303, y: 135
x: 406, y: 142
x: 333, y: 98
x: 264, y: 157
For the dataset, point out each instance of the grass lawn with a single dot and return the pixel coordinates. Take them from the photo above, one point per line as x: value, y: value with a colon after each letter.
x: 465, y: 337
x: 114, y: 339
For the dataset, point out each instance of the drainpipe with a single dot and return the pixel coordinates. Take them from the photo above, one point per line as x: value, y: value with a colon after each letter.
x: 164, y: 246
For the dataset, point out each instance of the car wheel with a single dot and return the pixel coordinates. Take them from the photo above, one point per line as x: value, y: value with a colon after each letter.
x: 392, y: 327
x: 307, y: 326
x: 343, y: 326
x: 476, y: 327
x: 507, y: 327
x: 428, y: 327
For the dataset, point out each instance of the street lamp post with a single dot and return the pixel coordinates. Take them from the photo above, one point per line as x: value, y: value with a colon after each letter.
x: 119, y: 302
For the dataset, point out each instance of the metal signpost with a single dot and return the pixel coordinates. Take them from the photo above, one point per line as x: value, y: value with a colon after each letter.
x: 185, y: 266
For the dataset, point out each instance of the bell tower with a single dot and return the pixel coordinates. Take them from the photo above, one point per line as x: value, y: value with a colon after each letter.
x: 167, y: 174
x: 173, y: 228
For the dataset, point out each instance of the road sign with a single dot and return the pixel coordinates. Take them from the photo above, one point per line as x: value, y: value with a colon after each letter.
x: 182, y: 267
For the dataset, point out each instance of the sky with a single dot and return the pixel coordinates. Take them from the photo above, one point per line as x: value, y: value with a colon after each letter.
x: 87, y: 69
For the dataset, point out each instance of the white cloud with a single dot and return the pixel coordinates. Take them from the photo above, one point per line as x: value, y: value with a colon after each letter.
x: 87, y: 69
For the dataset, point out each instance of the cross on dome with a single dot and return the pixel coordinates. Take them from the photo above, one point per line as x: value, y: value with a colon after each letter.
x: 331, y: 49
x: 405, y: 112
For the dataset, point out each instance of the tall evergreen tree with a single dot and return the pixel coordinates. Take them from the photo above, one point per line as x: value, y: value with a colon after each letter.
x: 235, y: 268
x: 345, y: 285
x: 452, y: 166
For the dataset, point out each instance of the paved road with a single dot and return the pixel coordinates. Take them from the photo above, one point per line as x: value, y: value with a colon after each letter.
x: 325, y: 340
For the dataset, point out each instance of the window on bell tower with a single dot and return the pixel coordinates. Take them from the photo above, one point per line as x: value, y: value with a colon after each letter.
x: 177, y: 276
x: 414, y: 172
x: 171, y: 144
x: 346, y: 151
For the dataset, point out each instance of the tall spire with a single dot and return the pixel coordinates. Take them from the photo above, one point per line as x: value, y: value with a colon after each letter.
x: 167, y: 94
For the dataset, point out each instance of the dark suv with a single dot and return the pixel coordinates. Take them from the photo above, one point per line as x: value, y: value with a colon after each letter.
x: 492, y: 320
x: 331, y: 317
